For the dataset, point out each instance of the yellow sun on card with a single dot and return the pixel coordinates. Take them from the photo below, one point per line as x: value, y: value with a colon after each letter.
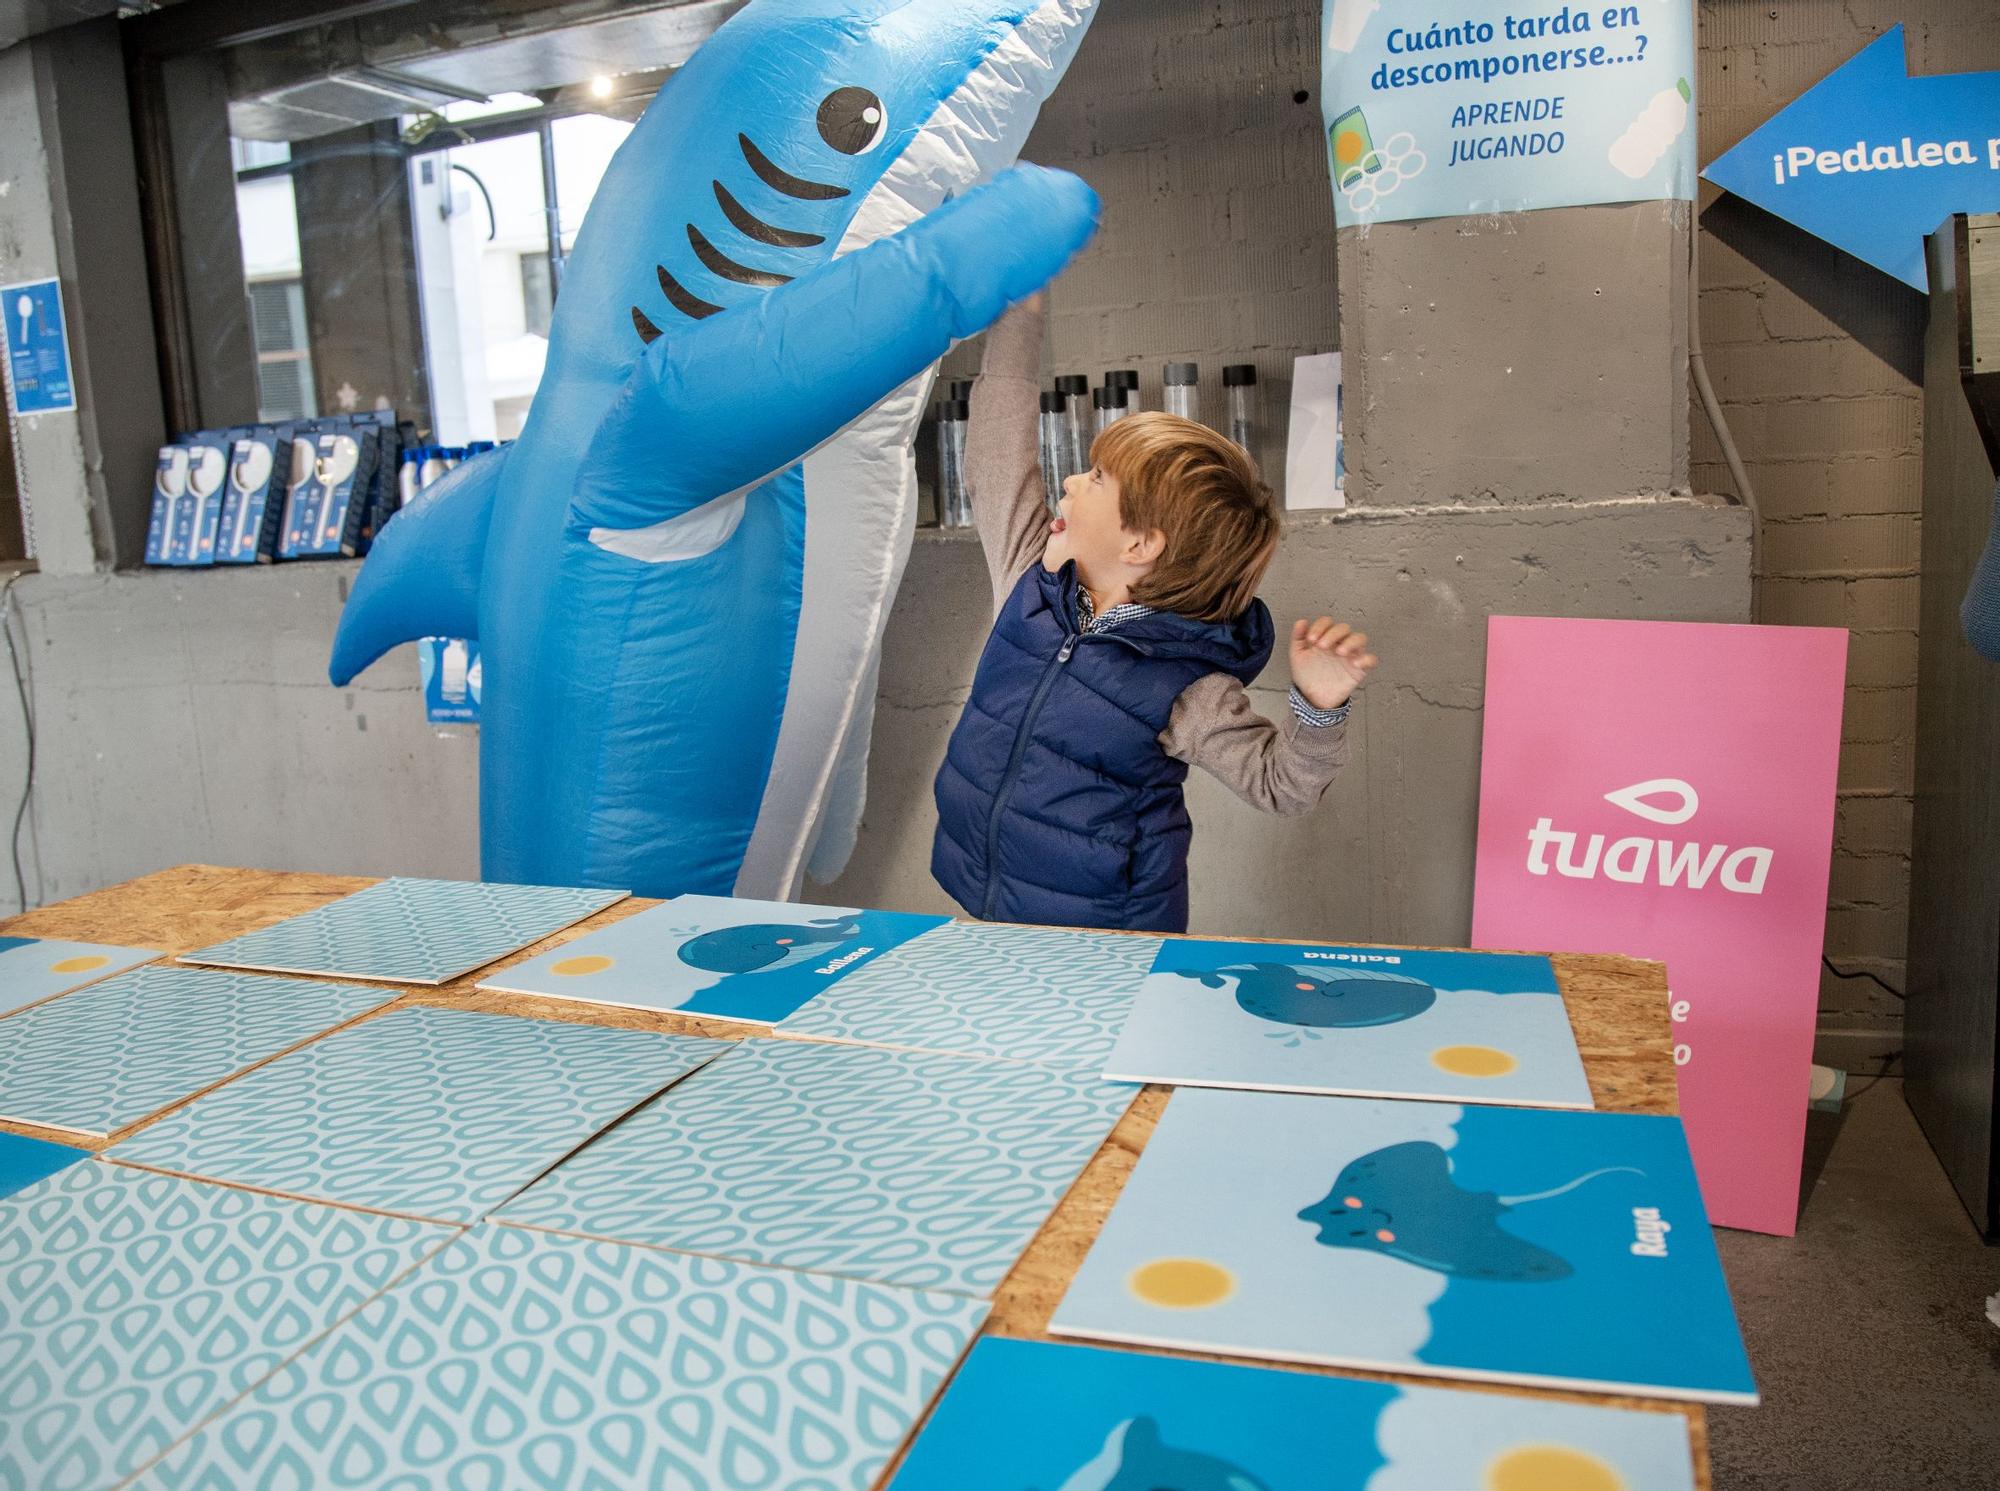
x: 1473, y: 1061
x: 1551, y: 1467
x: 1182, y: 1283
x: 588, y: 963
x: 89, y: 964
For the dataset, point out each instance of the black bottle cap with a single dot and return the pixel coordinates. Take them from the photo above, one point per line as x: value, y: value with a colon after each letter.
x: 1054, y: 403
x: 1122, y: 378
x: 1100, y: 398
x: 1073, y: 383
x: 959, y: 409
x: 1240, y: 375
x: 961, y: 388
x: 1182, y: 374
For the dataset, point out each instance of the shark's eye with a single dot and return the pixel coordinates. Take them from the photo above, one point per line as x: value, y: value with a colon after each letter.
x: 852, y: 120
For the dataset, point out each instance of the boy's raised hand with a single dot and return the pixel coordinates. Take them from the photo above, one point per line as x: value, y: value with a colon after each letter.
x: 1330, y: 660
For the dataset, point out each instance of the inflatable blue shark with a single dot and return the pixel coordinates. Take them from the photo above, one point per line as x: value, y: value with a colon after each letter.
x: 679, y: 575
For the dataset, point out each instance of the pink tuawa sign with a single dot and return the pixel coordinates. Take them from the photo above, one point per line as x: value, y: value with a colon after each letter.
x: 1666, y: 790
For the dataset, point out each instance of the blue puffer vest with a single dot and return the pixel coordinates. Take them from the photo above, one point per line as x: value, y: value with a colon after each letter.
x: 1056, y: 803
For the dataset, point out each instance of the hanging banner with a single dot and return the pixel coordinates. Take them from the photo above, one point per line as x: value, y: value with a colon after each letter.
x: 1476, y: 106
x: 1666, y: 790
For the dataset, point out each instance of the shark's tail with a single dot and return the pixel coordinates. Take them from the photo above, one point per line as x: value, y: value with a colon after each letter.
x: 1559, y: 1190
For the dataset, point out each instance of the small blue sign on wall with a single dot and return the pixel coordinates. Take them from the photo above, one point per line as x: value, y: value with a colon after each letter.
x: 38, y: 373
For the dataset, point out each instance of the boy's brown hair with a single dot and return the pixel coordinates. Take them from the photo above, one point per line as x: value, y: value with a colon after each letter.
x: 1204, y: 494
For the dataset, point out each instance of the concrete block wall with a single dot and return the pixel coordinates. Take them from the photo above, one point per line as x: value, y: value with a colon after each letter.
x: 1198, y: 121
x: 1817, y: 359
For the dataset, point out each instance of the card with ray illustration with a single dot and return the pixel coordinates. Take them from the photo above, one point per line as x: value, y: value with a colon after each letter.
x: 1510, y: 1244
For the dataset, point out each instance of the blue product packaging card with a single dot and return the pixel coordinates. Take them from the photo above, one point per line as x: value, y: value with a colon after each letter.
x: 1118, y: 1421
x: 756, y: 961
x: 449, y: 667
x: 1365, y: 1021
x: 1519, y: 1245
x: 208, y: 473
x: 170, y: 474
x: 260, y: 462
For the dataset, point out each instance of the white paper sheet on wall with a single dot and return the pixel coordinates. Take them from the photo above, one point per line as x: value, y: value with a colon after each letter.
x: 1315, y: 456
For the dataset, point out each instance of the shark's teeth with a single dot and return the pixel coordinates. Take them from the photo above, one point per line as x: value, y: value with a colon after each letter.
x: 780, y: 180
x: 718, y: 263
x: 756, y: 229
x: 684, y: 300
x: 648, y: 332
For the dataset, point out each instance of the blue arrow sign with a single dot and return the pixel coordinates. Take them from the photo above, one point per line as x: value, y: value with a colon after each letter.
x: 1871, y: 159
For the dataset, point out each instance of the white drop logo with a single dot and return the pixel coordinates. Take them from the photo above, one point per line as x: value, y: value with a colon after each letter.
x: 1633, y: 800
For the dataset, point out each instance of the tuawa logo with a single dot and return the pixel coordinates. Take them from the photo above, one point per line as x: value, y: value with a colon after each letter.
x: 1669, y: 802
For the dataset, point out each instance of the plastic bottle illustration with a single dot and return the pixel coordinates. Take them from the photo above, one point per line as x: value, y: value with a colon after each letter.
x: 1648, y: 137
x: 1346, y: 20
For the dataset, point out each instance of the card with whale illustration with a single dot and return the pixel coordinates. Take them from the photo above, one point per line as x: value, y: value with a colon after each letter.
x: 756, y: 961
x: 1362, y: 1021
x: 1120, y: 1421
x: 1505, y: 1244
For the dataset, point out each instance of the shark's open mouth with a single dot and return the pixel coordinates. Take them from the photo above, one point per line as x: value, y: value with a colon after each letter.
x: 751, y: 227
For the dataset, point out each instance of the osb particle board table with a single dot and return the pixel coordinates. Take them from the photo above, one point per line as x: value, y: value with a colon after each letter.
x: 1617, y: 1006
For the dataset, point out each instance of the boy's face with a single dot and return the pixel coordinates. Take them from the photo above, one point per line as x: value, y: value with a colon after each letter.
x: 1089, y: 530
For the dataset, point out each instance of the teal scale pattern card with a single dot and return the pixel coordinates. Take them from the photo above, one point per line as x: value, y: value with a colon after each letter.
x: 715, y: 955
x: 105, y: 1057
x: 929, y: 1172
x: 519, y: 1359
x: 434, y: 1113
x: 33, y: 969
x: 134, y: 1306
x: 1367, y: 1021
x: 410, y: 931
x: 1006, y: 993
x: 1118, y: 1421
x: 1511, y: 1244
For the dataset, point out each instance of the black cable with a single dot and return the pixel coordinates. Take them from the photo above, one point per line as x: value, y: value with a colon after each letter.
x: 492, y: 218
x: 27, y: 723
x: 1861, y: 973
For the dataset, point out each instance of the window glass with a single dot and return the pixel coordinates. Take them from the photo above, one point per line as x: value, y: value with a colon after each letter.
x: 584, y: 145
x: 487, y: 287
x: 268, y: 223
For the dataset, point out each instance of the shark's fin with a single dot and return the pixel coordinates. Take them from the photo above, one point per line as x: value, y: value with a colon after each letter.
x: 814, y: 354
x: 422, y: 575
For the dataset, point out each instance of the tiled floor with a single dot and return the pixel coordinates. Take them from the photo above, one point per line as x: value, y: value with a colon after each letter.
x: 1868, y: 1331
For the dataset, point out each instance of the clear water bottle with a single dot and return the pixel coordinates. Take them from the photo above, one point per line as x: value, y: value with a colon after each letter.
x: 1126, y: 382
x: 1075, y: 389
x: 1055, y: 448
x: 1239, y: 383
x: 954, y: 499
x: 1107, y: 407
x: 1182, y: 383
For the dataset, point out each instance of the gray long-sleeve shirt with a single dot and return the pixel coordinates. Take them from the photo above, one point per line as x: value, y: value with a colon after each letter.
x: 1279, y: 768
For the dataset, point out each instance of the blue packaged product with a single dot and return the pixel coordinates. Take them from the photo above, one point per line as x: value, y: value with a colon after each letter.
x: 260, y: 468
x: 170, y: 471
x: 193, y: 536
